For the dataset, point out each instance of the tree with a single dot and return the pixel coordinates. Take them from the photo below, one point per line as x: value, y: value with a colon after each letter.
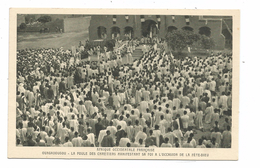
x: 206, y: 42
x: 110, y: 44
x: 44, y: 19
x: 191, y: 38
x: 180, y: 39
x: 22, y: 26
x: 29, y: 18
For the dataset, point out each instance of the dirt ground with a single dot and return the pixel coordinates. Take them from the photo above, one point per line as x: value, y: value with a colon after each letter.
x: 36, y: 40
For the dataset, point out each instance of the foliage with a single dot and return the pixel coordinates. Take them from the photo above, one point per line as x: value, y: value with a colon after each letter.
x: 29, y: 18
x: 84, y: 54
x: 22, y: 26
x: 110, y: 44
x: 180, y: 39
x: 193, y: 38
x: 88, y: 45
x: 44, y: 19
x: 206, y: 42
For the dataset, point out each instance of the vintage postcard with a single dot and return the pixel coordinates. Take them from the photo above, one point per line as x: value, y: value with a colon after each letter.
x: 124, y: 84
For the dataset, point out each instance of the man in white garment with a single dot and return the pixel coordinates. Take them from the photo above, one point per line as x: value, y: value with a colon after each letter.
x: 124, y: 141
x: 76, y: 141
x: 185, y: 120
x: 223, y: 100
x: 141, y: 135
x: 101, y: 135
x: 143, y: 105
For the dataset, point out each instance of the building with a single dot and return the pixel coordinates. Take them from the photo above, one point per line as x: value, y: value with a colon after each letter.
x: 111, y: 26
x: 76, y: 24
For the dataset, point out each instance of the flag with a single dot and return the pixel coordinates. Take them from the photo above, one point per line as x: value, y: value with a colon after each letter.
x: 173, y: 18
x: 114, y: 19
x: 73, y: 49
x: 189, y: 49
x: 158, y: 18
x: 187, y: 19
x: 142, y: 18
x: 126, y: 18
x: 157, y: 26
x: 159, y: 21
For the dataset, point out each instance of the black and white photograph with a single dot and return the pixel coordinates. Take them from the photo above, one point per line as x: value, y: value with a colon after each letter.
x: 125, y: 82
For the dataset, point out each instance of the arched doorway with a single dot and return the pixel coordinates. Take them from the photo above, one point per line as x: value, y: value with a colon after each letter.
x: 171, y: 28
x: 115, y: 32
x: 129, y: 32
x: 149, y: 28
x: 102, y: 32
x: 205, y: 31
x: 228, y: 38
x: 187, y: 28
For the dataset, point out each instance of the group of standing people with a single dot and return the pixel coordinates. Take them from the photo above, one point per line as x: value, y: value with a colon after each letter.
x: 155, y: 101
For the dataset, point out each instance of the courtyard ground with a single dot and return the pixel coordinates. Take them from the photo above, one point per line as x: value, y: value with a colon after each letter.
x: 36, y: 40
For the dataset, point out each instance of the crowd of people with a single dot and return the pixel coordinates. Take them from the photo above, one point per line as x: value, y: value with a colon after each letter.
x: 154, y: 101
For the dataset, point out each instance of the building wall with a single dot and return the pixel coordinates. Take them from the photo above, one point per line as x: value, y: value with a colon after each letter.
x: 229, y: 24
x: 76, y: 24
x: 196, y: 22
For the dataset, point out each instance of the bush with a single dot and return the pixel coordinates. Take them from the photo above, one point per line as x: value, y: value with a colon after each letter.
x: 22, y: 26
x: 179, y: 39
x: 110, y: 44
x: 206, y: 42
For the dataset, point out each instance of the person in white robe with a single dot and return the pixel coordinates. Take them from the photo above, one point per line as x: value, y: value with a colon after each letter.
x: 223, y: 100
x: 91, y: 137
x: 141, y: 135
x: 76, y: 141
x: 74, y: 123
x: 143, y: 105
x: 199, y: 118
x: 116, y: 101
x: 138, y: 96
x: 208, y: 113
x: 101, y: 135
x: 124, y: 141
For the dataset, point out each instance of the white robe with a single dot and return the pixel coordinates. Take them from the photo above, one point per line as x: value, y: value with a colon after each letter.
x: 91, y: 138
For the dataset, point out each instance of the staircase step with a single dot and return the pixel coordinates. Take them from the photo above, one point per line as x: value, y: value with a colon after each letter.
x: 137, y: 53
